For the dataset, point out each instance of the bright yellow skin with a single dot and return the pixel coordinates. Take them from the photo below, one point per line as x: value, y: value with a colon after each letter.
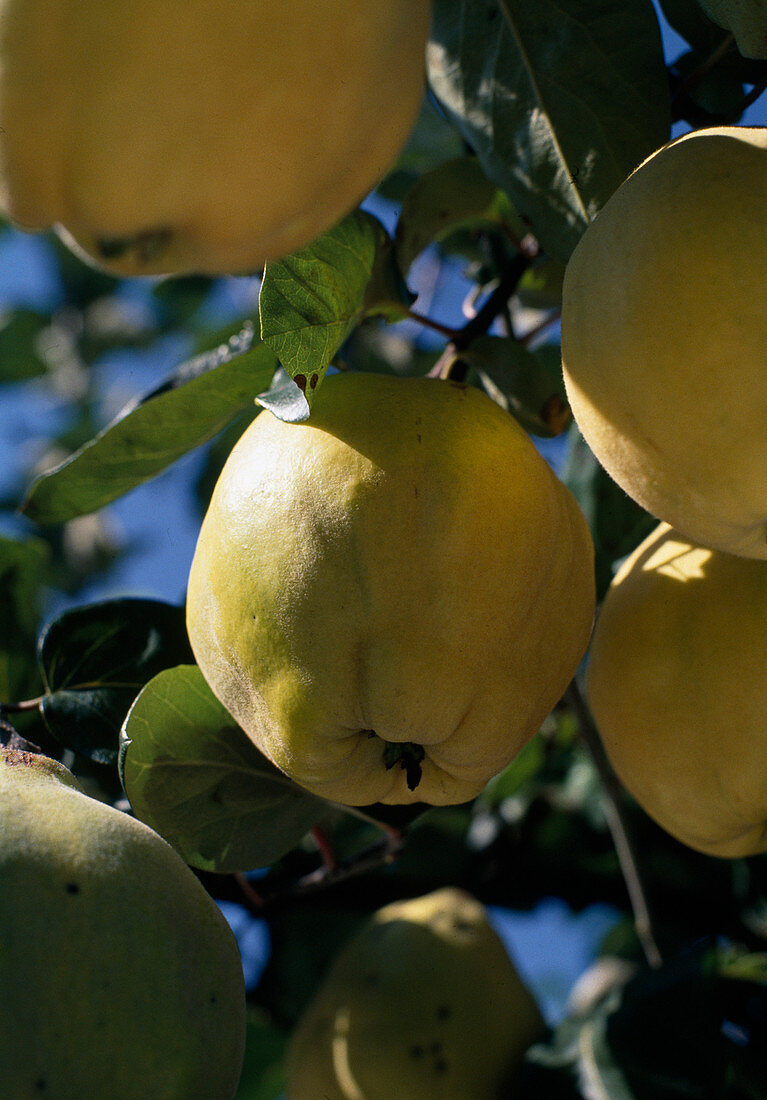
x: 209, y: 136
x: 677, y: 682
x: 403, y: 567
x: 422, y: 1004
x: 119, y: 976
x: 747, y: 19
x: 664, y: 333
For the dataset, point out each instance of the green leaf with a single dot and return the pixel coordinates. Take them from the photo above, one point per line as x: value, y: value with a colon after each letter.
x: 193, y: 775
x: 521, y: 382
x: 560, y: 101
x: 94, y: 661
x: 454, y: 195
x: 618, y: 524
x: 19, y: 357
x: 199, y: 399
x: 310, y: 301
x: 541, y: 285
x: 263, y: 1072
x: 24, y: 565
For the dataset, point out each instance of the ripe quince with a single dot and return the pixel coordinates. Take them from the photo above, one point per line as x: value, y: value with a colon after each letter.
x: 677, y: 682
x: 119, y: 975
x: 663, y: 337
x: 390, y: 596
x: 208, y: 137
x: 423, y: 1003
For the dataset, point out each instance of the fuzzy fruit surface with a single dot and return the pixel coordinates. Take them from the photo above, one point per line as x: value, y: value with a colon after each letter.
x: 423, y: 1003
x: 204, y: 138
x: 390, y: 596
x: 119, y: 976
x: 747, y: 19
x: 677, y: 682
x: 663, y: 337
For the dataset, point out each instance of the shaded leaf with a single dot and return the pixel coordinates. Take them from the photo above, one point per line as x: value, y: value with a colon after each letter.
x: 560, y: 101
x: 94, y: 661
x: 618, y: 524
x: 192, y: 774
x: 521, y: 382
x: 263, y: 1073
x: 199, y: 399
x: 24, y: 565
x: 454, y: 195
x: 310, y: 301
x: 19, y: 357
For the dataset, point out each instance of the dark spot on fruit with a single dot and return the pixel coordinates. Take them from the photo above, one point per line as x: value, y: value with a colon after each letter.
x: 436, y: 1047
x: 444, y: 1012
x: 415, y: 490
x: 418, y: 436
x: 41, y: 1084
x: 416, y: 1051
x: 72, y: 888
x: 372, y: 978
x: 457, y: 385
x: 300, y: 381
x: 440, y: 1066
x: 314, y: 380
x: 212, y: 999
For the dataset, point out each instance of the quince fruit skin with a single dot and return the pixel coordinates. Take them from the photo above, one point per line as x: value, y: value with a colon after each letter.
x: 205, y: 138
x: 663, y: 337
x: 119, y: 975
x: 400, y: 573
x: 677, y: 683
x: 747, y: 19
x: 423, y: 1003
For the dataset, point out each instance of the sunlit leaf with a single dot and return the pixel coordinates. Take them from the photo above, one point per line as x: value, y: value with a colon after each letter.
x: 199, y: 399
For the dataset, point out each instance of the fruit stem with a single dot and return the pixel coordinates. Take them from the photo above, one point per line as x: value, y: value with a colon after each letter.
x: 616, y: 822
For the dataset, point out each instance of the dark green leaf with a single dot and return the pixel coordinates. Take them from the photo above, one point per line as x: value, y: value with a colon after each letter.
x: 193, y: 775
x: 560, y: 101
x: 311, y: 301
x: 618, y: 524
x: 454, y: 195
x: 541, y: 285
x: 197, y: 401
x: 19, y: 355
x: 263, y: 1073
x: 94, y: 661
x: 521, y: 382
x: 24, y: 565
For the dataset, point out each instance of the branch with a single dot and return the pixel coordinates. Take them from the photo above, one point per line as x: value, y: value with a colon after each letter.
x: 616, y: 821
x: 375, y: 855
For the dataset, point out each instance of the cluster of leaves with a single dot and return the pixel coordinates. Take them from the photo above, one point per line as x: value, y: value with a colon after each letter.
x: 537, y: 112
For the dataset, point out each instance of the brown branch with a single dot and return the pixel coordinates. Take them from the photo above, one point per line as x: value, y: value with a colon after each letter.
x: 376, y: 855
x: 616, y: 822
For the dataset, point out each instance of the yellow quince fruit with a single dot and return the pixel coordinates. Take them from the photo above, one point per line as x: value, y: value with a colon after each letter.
x: 119, y: 976
x: 677, y: 682
x: 663, y: 337
x: 423, y: 1003
x: 390, y: 596
x: 206, y: 137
